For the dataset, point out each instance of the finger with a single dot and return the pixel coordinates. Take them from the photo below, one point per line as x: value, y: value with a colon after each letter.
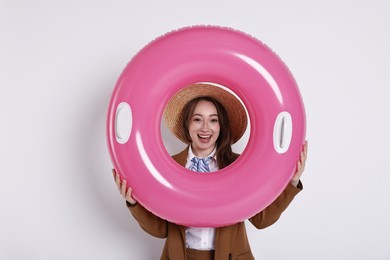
x: 303, y: 158
x: 123, y: 188
x: 299, y: 166
x: 129, y: 191
x: 305, y: 147
x: 129, y: 196
x: 299, y: 171
x: 118, y: 180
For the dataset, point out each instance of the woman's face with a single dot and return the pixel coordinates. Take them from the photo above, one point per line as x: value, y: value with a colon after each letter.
x: 204, y: 128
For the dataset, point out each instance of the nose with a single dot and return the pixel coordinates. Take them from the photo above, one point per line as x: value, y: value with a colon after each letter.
x: 205, y: 126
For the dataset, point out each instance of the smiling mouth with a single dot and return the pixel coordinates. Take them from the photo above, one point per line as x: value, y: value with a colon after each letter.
x: 204, y: 137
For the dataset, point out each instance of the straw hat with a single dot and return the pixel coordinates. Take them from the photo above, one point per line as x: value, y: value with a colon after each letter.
x: 234, y: 108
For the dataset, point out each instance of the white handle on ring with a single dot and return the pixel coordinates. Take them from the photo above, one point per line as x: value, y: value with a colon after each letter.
x: 282, y: 132
x: 123, y: 123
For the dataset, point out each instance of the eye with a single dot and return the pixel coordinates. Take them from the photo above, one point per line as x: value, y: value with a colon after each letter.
x: 197, y: 119
x: 214, y: 120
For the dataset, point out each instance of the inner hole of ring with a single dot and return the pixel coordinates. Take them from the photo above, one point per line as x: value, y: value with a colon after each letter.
x: 173, y: 145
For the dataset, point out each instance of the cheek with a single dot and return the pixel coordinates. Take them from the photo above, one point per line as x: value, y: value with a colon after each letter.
x: 217, y: 129
x: 191, y: 127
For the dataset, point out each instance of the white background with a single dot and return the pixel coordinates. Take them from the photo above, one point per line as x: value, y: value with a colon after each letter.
x: 59, y: 61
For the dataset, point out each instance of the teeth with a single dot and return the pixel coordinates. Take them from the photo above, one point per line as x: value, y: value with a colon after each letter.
x: 205, y: 136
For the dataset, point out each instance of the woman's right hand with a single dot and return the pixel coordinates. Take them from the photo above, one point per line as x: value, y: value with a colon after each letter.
x: 126, y: 194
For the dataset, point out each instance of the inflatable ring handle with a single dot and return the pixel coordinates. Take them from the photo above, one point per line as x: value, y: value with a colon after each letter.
x: 283, y: 132
x: 123, y: 123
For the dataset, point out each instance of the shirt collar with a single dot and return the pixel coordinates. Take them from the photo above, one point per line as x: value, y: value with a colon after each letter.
x: 192, y: 155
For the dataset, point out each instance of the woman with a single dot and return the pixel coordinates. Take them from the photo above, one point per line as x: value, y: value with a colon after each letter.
x: 200, y: 115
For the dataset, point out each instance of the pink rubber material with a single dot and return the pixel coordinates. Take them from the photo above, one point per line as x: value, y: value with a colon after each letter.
x: 206, y: 54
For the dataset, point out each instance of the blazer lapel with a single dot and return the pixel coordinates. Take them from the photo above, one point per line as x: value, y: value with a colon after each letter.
x: 181, y: 158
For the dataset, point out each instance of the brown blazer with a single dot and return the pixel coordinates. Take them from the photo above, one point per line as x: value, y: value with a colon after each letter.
x: 231, y: 242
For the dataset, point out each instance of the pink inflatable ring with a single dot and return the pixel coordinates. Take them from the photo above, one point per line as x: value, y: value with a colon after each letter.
x: 222, y: 56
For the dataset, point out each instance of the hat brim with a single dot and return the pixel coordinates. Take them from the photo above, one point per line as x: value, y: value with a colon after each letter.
x: 234, y: 108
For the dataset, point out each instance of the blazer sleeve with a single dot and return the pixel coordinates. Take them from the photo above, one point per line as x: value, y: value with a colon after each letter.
x: 272, y: 213
x: 149, y: 222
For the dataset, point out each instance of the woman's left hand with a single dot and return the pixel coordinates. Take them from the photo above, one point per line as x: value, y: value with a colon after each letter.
x: 300, y: 165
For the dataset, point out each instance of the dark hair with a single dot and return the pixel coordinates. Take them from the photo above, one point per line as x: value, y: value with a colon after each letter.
x: 224, y: 153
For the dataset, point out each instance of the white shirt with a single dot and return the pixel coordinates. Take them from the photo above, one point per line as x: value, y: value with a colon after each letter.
x: 201, y: 238
x: 213, y: 166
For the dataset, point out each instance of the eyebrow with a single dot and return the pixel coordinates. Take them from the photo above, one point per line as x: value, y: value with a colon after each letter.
x: 202, y: 115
